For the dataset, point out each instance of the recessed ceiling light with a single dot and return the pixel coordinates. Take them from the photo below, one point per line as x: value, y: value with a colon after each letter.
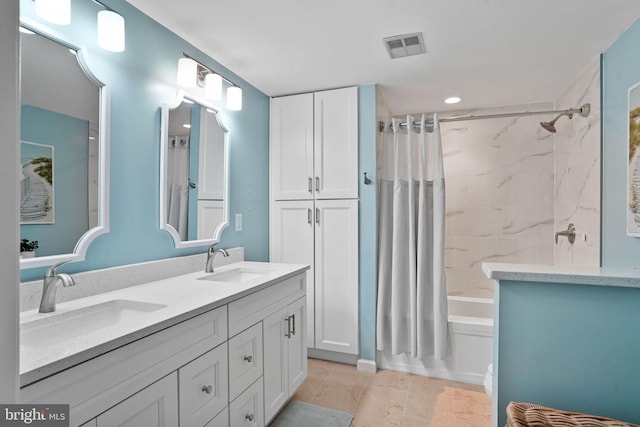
x: 452, y: 100
x: 186, y: 125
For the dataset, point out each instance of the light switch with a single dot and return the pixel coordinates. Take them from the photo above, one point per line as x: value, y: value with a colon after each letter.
x: 238, y: 222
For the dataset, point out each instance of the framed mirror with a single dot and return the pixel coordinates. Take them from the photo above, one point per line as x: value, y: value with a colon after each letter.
x: 194, y: 172
x: 63, y: 151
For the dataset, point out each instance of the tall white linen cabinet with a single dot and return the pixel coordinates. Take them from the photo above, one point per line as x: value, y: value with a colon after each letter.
x: 314, y: 207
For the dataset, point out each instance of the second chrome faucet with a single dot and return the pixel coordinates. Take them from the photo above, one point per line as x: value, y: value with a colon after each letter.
x: 50, y: 286
x: 211, y: 255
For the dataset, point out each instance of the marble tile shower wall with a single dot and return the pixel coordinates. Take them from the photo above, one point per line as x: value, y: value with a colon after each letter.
x: 577, y: 172
x: 500, y: 196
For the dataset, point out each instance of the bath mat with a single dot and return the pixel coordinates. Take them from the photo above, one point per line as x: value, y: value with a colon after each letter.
x: 301, y: 414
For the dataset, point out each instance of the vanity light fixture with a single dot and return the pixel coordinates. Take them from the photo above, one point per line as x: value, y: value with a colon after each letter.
x: 192, y: 73
x: 111, y: 31
x: 452, y: 100
x: 54, y: 11
x: 187, y: 125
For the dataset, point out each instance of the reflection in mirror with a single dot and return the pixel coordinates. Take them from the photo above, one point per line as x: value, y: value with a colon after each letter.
x: 62, y: 152
x: 193, y: 173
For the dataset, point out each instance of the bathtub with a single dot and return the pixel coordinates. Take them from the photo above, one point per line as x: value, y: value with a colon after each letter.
x: 471, y: 338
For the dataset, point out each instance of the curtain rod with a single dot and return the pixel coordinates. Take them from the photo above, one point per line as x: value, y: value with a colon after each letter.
x: 580, y: 110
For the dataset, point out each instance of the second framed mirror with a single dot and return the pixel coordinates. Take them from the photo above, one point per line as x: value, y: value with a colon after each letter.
x: 194, y: 172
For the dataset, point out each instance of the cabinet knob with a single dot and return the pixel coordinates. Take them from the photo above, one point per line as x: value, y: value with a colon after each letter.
x: 249, y: 417
x: 248, y: 358
x: 207, y: 389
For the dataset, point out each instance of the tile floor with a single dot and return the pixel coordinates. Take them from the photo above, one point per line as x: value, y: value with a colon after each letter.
x: 390, y: 398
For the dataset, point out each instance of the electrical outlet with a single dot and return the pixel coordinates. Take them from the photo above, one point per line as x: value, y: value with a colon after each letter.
x: 238, y: 222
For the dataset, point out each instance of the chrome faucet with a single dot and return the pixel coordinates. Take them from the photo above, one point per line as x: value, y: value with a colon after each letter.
x: 211, y: 255
x: 51, y: 280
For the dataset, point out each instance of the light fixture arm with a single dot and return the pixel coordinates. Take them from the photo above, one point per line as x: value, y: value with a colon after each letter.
x: 204, y: 70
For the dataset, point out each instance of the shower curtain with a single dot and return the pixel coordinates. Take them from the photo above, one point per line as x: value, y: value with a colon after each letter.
x: 412, y: 298
x: 178, y: 184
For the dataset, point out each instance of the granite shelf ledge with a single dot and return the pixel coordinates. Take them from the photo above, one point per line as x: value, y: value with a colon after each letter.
x: 614, y: 277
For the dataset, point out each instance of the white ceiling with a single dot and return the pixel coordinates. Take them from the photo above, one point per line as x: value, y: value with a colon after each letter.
x: 488, y: 52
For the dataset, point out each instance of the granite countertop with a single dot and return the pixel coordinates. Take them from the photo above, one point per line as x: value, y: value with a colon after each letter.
x: 617, y: 277
x: 184, y: 297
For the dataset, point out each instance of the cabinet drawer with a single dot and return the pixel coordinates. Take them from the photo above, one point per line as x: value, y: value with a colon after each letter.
x: 204, y: 387
x: 221, y: 420
x: 255, y: 307
x: 247, y: 410
x: 245, y: 359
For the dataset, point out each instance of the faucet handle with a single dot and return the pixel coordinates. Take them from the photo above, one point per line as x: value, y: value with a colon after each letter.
x: 52, y: 270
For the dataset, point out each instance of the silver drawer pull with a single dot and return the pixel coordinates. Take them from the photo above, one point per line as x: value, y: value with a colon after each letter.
x: 309, y: 216
x: 288, y: 334
x: 293, y: 330
x: 317, y: 216
x: 310, y: 185
x: 317, y: 184
x: 249, y: 358
x: 249, y: 417
x: 207, y: 389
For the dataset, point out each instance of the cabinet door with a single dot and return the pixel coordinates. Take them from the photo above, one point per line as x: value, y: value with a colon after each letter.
x: 336, y: 268
x: 156, y: 405
x: 204, y: 389
x: 297, y: 347
x: 292, y: 228
x: 336, y: 144
x: 292, y: 147
x: 248, y: 409
x: 276, y: 388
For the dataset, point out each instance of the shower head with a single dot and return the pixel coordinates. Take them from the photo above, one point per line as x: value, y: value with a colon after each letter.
x: 583, y: 111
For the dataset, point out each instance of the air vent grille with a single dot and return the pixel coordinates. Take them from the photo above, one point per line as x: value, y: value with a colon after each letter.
x: 404, y: 45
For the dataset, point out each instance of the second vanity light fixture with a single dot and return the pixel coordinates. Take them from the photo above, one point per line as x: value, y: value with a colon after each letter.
x: 192, y: 73
x: 110, y: 24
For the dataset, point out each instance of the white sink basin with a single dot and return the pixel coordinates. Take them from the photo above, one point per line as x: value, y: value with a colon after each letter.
x: 236, y: 275
x: 64, y: 326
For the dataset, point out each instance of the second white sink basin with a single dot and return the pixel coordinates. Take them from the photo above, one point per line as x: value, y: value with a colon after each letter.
x: 236, y: 275
x: 64, y: 326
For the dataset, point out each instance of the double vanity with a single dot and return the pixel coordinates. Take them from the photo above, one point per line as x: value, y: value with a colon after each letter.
x: 215, y: 349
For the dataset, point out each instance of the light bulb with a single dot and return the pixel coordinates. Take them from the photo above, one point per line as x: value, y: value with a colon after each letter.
x: 110, y: 31
x: 187, y: 72
x: 54, y: 11
x: 234, y: 98
x: 213, y: 86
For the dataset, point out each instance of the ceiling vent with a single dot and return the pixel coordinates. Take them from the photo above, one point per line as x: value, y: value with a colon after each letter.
x: 404, y: 45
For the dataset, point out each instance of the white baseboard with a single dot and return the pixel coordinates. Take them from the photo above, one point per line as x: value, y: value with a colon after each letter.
x: 364, y: 365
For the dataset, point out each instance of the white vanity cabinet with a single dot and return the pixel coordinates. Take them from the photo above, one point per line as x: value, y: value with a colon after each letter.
x: 314, y: 207
x: 285, y: 356
x: 204, y: 371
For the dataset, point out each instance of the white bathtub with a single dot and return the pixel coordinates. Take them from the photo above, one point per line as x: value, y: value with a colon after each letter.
x: 471, y: 335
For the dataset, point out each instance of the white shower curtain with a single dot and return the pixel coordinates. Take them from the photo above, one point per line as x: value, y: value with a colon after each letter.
x: 178, y: 184
x: 412, y: 297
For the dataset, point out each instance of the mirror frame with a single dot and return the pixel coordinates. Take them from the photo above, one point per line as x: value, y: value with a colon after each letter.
x: 164, y: 147
x: 104, y: 90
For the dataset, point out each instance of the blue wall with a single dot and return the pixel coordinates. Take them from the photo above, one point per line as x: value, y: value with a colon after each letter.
x: 143, y: 78
x: 573, y: 347
x: 69, y: 138
x: 620, y: 71
x: 367, y: 222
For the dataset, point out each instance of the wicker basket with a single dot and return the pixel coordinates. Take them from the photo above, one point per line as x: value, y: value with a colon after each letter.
x: 529, y: 415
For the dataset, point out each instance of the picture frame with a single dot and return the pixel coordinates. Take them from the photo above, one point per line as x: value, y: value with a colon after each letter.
x: 37, y: 183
